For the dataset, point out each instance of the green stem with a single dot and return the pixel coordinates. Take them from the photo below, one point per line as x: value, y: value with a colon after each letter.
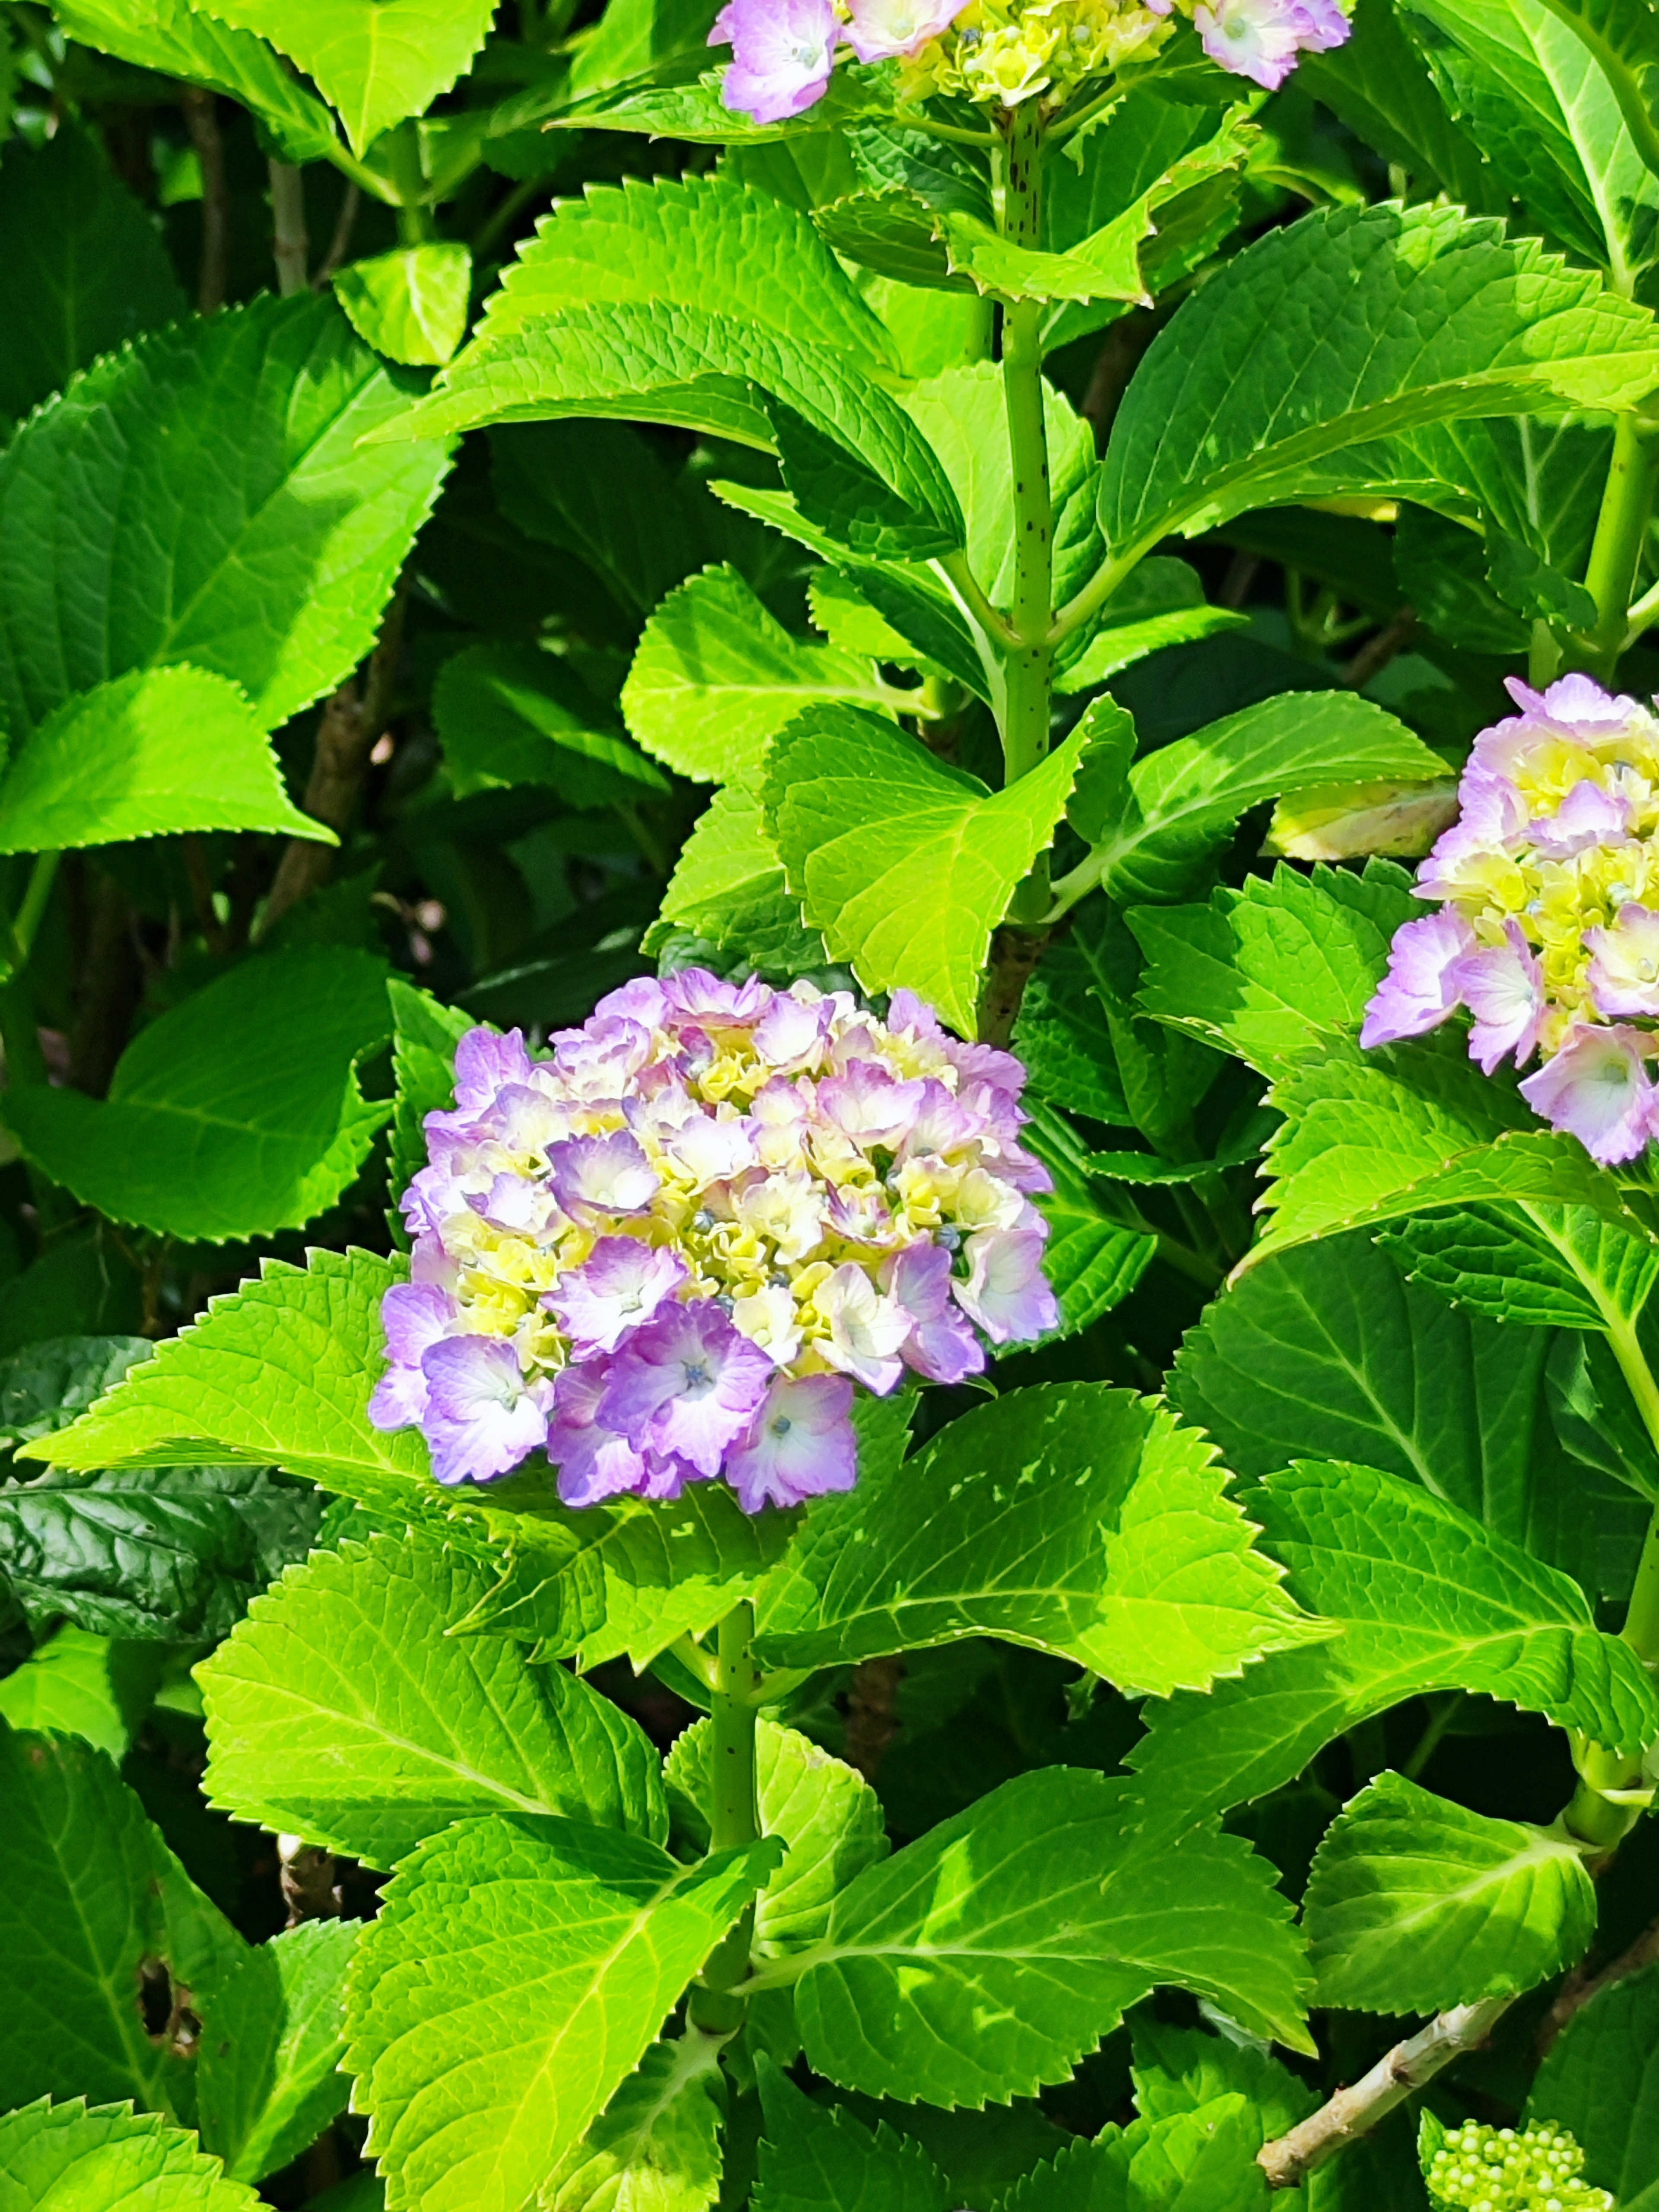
x: 734, y: 1817
x: 415, y: 224
x: 32, y: 912
x: 366, y: 179
x: 1030, y: 667
x: 1621, y: 530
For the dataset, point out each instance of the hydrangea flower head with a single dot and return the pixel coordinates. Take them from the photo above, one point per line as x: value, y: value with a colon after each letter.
x: 1000, y: 52
x: 673, y: 1250
x: 1536, y: 2169
x: 1546, y: 925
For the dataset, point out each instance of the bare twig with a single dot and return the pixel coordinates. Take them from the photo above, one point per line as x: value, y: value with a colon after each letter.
x: 340, y: 245
x: 202, y: 121
x: 290, y: 245
x: 346, y: 731
x: 308, y: 1879
x: 1576, y: 1992
x: 1396, y: 2075
x: 873, y: 1713
x: 1374, y: 656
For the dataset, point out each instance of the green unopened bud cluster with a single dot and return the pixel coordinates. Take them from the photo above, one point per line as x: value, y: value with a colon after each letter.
x: 1480, y: 2169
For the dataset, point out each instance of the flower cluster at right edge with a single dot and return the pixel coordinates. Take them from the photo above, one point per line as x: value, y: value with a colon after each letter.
x: 1547, y: 930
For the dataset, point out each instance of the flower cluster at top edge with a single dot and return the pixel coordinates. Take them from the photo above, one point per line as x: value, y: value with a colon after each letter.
x: 1484, y: 2169
x: 998, y: 52
x: 670, y: 1250
x: 1548, y: 925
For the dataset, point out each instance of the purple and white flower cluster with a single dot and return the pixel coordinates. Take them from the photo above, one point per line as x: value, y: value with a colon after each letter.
x: 670, y: 1251
x: 1548, y: 926
x: 999, y: 51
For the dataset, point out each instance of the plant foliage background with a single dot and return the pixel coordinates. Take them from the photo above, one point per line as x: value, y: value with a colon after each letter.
x: 483, y: 521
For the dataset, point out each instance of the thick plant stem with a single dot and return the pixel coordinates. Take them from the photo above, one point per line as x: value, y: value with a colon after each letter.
x: 1029, y: 664
x: 734, y: 1817
x: 289, y: 243
x: 1396, y: 2075
x: 1620, y: 533
x: 202, y: 121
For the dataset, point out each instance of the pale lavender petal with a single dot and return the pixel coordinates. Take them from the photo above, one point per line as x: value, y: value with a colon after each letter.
x: 621, y: 1283
x: 867, y: 1328
x: 1007, y: 1292
x: 483, y: 1062
x: 595, y: 1178
x: 415, y: 1315
x: 1576, y: 705
x: 687, y: 1383
x: 1587, y: 815
x: 783, y: 52
x: 593, y: 1462
x: 799, y: 1444
x: 791, y: 1034
x: 397, y: 1399
x: 1623, y: 973
x: 879, y: 29
x: 693, y: 993
x: 1598, y: 1090
x: 483, y: 1418
x: 941, y: 1345
x: 1503, y: 987
x: 1419, y: 989
x: 1262, y: 39
x: 866, y: 1105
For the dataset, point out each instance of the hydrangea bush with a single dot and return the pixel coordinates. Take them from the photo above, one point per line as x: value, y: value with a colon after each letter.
x: 829, y: 1002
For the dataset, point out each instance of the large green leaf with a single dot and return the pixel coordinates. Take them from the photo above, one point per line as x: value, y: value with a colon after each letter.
x: 905, y: 863
x: 377, y: 61
x: 269, y: 2080
x: 169, y: 1552
x: 984, y: 1960
x: 1601, y: 2079
x: 827, y: 1813
x: 89, y: 1891
x: 47, y: 1384
x: 239, y: 524
x: 508, y: 713
x: 1073, y: 1517
x: 1327, y: 1353
x: 344, y: 1711
x: 728, y: 886
x: 176, y: 41
x: 1530, y: 92
x: 817, y: 2158
x: 157, y: 750
x: 1544, y: 1265
x: 697, y: 242
x: 656, y: 2146
x: 1277, y: 380
x: 65, y: 2158
x: 1280, y: 970
x: 1416, y: 1903
x: 716, y: 676
x: 1380, y: 89
x: 703, y: 370
x: 1426, y: 1599
x: 517, y: 1974
x: 1182, y: 801
x: 76, y: 1683
x: 236, y: 1114
x: 89, y: 270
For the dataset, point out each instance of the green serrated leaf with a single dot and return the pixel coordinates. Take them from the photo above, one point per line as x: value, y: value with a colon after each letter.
x: 176, y: 41
x: 88, y: 1891
x: 237, y: 1113
x: 1440, y: 316
x: 982, y: 1961
x: 76, y: 1683
x: 1184, y: 799
x: 1600, y: 2081
x: 682, y: 243
x: 151, y: 753
x: 1329, y: 1353
x: 269, y: 2082
x: 715, y: 676
x: 410, y: 304
x: 88, y: 270
x: 1180, y: 2069
x: 240, y: 526
x: 1427, y: 1599
x: 49, y: 1383
x: 728, y: 887
x: 1542, y: 1266
x: 563, y: 1948
x: 391, y: 1726
x: 68, y: 2158
x: 1073, y: 1517
x: 1380, y: 88
x: 508, y: 714
x: 815, y: 2158
x: 656, y: 2146
x: 906, y: 864
x: 1415, y: 1903
x: 170, y: 1553
x: 377, y: 61
x: 825, y: 1812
